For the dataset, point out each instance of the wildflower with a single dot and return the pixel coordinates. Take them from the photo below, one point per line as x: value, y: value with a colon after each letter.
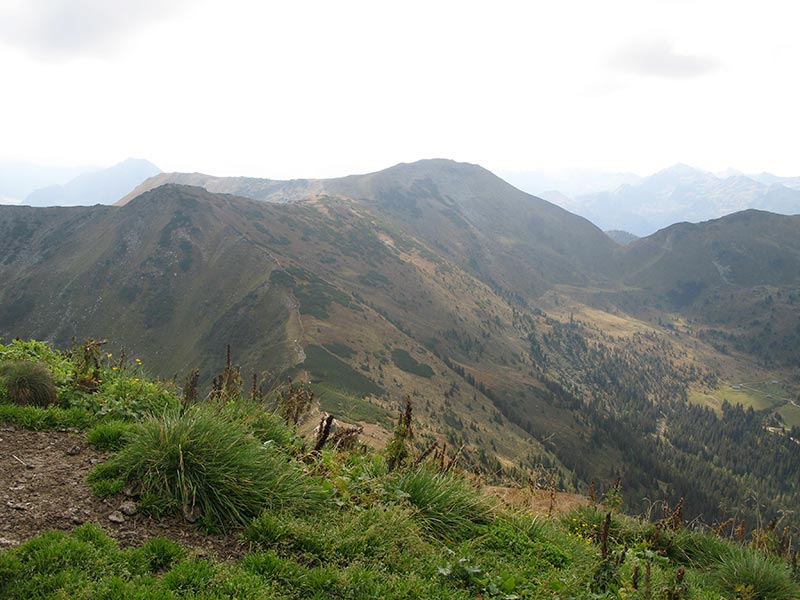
x: 109, y: 355
x: 138, y: 361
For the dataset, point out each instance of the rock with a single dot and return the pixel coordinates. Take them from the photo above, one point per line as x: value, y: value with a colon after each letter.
x: 78, y: 520
x: 190, y: 513
x: 133, y: 490
x: 128, y: 508
x: 116, y: 517
x: 7, y: 543
x: 74, y: 451
x: 16, y: 506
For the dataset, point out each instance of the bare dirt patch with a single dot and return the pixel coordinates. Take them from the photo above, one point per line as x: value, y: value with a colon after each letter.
x: 43, y: 486
x: 537, y: 501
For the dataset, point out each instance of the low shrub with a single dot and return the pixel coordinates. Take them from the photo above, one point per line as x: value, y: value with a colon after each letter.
x: 28, y: 383
x: 204, y: 465
x: 126, y: 397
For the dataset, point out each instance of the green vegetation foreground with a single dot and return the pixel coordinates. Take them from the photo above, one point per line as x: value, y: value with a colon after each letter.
x: 327, y: 518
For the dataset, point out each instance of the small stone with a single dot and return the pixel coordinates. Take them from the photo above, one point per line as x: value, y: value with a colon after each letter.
x: 191, y: 514
x: 74, y: 451
x: 78, y: 520
x: 7, y: 543
x: 128, y: 508
x: 133, y: 490
x: 116, y: 517
x: 16, y: 506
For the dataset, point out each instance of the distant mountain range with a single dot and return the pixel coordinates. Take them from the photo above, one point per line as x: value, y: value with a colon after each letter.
x: 19, y: 178
x: 677, y: 194
x: 104, y: 186
x: 524, y: 334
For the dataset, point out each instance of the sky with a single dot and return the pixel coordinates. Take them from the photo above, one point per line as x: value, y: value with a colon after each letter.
x: 323, y: 89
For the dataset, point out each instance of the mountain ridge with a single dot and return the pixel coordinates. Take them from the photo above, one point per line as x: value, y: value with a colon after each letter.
x: 417, y: 281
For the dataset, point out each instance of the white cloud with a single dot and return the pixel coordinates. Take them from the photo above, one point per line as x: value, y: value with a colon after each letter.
x: 61, y: 29
x: 319, y: 88
x: 658, y: 58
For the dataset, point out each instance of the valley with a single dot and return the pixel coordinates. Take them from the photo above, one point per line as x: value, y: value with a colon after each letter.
x: 523, y: 335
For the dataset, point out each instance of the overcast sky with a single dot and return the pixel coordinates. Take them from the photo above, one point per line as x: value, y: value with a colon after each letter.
x: 318, y: 89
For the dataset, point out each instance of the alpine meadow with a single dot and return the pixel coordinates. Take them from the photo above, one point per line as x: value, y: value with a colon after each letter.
x: 404, y: 302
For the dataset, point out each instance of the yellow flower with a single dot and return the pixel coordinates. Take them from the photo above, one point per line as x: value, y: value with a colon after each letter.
x: 138, y: 361
x: 109, y: 355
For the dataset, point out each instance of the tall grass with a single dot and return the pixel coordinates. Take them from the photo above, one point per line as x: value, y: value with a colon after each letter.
x: 207, y: 466
x: 747, y: 573
x: 445, y: 504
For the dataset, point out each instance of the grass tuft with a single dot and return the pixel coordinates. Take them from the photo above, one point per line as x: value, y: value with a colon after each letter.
x: 161, y: 553
x: 445, y: 504
x: 745, y: 573
x: 109, y: 435
x: 28, y: 383
x: 204, y: 465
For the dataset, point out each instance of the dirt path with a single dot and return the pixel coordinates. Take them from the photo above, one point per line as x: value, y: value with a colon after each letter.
x: 43, y: 486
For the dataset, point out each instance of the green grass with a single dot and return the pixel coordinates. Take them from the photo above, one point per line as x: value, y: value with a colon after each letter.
x: 339, y: 525
x: 264, y: 424
x: 750, y: 574
x: 201, y: 464
x: 404, y: 361
x: 340, y: 349
x: 326, y: 368
x: 760, y: 396
x: 109, y: 435
x: 28, y: 383
x: 790, y: 414
x: 45, y: 419
x: 350, y: 408
x: 444, y: 504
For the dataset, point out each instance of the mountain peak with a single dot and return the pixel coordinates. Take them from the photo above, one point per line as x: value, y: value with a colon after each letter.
x: 681, y: 170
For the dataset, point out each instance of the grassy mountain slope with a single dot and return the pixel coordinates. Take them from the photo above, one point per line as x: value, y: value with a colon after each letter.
x: 507, y: 237
x: 428, y: 280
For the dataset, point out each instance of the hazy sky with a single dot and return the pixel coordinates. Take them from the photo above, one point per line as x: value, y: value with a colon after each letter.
x: 316, y: 89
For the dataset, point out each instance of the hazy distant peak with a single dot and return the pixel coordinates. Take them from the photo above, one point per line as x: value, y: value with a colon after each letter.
x: 681, y: 170
x: 97, y: 187
x: 729, y: 172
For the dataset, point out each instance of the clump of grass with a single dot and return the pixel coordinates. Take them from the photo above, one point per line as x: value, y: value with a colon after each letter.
x: 264, y: 424
x: 445, y: 504
x: 160, y: 553
x: 745, y: 573
x: 207, y: 466
x: 695, y: 548
x: 109, y: 435
x: 28, y: 383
